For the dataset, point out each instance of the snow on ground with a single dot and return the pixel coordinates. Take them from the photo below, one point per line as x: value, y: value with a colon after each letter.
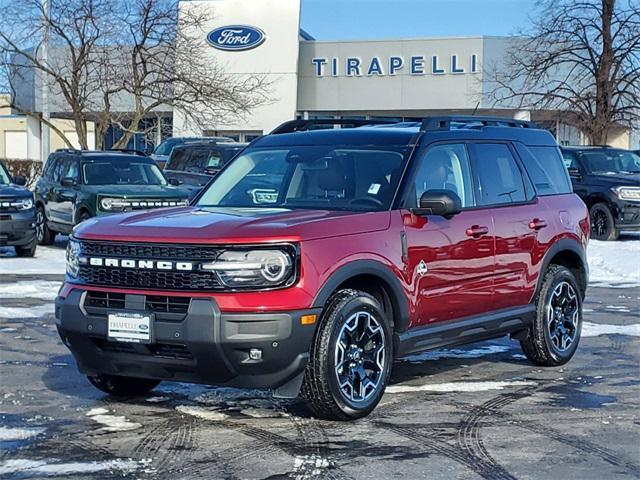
x: 26, y: 312
x: 112, y: 423
x: 39, y: 289
x: 201, y: 412
x: 614, y: 264
x: 595, y: 329
x: 55, y: 468
x: 458, y: 386
x: 48, y: 260
x: 13, y: 434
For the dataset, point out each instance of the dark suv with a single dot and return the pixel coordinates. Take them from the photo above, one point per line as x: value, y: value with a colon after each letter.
x: 314, y: 258
x: 17, y: 214
x: 77, y: 185
x: 608, y: 181
x: 193, y: 164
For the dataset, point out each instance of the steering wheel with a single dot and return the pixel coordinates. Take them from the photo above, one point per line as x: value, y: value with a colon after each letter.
x: 365, y: 200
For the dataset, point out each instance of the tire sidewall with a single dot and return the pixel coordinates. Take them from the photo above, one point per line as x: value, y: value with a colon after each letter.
x: 562, y: 275
x: 610, y: 232
x: 336, y: 321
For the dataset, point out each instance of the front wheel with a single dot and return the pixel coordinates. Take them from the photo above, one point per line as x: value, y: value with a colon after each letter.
x: 350, y: 358
x: 27, y: 250
x: 554, y: 335
x: 123, y: 386
x: 602, y: 223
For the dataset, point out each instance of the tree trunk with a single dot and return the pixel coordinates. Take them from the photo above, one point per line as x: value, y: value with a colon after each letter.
x: 602, y: 118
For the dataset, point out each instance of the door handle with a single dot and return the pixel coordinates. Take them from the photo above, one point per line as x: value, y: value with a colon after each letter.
x: 537, y: 224
x: 476, y: 231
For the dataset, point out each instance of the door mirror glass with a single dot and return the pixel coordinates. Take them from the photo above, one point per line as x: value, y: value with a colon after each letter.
x: 69, y: 182
x: 444, y: 203
x: 19, y: 180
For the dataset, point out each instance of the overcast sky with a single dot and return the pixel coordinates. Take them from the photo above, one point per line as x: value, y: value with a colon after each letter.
x: 381, y: 19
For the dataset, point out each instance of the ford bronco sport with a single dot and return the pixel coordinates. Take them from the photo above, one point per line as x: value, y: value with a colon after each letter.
x: 316, y: 257
x: 17, y: 214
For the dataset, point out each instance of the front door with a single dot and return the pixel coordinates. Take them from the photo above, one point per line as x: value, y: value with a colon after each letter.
x: 450, y: 261
x: 64, y: 195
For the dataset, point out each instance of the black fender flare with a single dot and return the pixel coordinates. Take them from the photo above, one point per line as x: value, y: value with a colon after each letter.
x: 376, y: 269
x: 563, y: 245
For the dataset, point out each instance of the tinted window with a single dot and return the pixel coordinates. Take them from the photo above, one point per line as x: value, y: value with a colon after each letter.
x: 569, y: 160
x: 546, y: 169
x: 445, y: 167
x: 122, y: 172
x: 5, y: 179
x: 178, y: 159
x: 498, y: 177
x: 609, y: 160
x: 60, y: 169
x: 200, y: 159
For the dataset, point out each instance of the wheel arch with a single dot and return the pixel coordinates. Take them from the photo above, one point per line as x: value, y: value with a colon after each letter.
x: 79, y: 211
x: 569, y: 254
x: 374, y: 278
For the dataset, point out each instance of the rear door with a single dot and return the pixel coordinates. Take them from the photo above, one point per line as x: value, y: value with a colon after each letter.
x: 450, y: 261
x: 504, y: 192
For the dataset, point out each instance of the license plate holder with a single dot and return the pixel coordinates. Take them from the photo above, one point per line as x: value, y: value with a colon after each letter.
x: 131, y: 327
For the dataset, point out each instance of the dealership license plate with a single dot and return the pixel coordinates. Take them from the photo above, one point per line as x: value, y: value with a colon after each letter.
x: 129, y: 327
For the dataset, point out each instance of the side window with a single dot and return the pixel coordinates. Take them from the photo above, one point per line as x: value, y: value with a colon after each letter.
x: 546, y: 169
x: 498, y: 178
x: 49, y: 168
x: 72, y: 170
x: 444, y: 167
x: 178, y: 159
x: 60, y: 169
x: 569, y: 160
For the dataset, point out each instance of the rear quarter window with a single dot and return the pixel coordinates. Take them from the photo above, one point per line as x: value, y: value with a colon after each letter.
x: 547, y: 169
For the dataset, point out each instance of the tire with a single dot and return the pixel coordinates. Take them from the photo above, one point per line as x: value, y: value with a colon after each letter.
x: 559, y: 298
x: 84, y: 216
x: 123, y: 386
x: 44, y: 235
x: 603, y: 225
x: 27, y: 250
x: 330, y: 392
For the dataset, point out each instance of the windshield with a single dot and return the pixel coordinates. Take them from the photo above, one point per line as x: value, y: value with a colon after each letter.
x: 165, y: 147
x: 321, y: 177
x: 122, y: 172
x: 5, y: 179
x: 611, y: 161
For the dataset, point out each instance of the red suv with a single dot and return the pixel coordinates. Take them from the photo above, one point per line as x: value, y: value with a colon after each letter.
x: 317, y: 256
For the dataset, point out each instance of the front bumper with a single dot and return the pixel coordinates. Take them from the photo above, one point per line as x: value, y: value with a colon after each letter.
x: 202, y: 346
x: 628, y: 216
x: 17, y: 228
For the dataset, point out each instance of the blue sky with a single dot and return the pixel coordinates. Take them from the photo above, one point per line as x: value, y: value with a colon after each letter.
x: 381, y: 19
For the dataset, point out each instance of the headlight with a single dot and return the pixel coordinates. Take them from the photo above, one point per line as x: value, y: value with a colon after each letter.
x: 121, y: 204
x: 627, y: 193
x: 21, y: 204
x: 253, y: 268
x: 73, y: 258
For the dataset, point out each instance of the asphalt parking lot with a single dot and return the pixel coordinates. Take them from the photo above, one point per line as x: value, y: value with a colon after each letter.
x: 480, y: 411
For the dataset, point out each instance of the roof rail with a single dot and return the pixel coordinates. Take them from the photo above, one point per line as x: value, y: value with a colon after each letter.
x: 67, y: 149
x: 127, y: 150
x: 447, y: 121
x: 300, y: 125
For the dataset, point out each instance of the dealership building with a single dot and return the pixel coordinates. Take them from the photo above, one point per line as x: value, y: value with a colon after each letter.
x: 364, y: 79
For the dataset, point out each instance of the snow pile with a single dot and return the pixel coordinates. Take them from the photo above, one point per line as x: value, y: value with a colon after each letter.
x: 13, y: 434
x: 112, y: 423
x: 51, y: 468
x: 26, y: 312
x: 201, y: 412
x: 459, y: 386
x: 48, y: 260
x: 614, y: 264
x: 595, y: 329
x: 39, y: 289
x: 456, y: 353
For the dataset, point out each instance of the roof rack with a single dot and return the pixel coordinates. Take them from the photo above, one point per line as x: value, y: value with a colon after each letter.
x: 300, y: 125
x: 67, y: 149
x: 449, y: 122
x: 127, y: 150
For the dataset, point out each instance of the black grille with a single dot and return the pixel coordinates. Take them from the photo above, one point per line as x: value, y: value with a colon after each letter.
x: 150, y: 251
x: 165, y: 350
x: 168, y: 308
x: 104, y: 300
x: 167, y: 304
x: 160, y: 280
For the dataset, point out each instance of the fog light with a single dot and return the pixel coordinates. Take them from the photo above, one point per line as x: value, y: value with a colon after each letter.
x: 255, y: 354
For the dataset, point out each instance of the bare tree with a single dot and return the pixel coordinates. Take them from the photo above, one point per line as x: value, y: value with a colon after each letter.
x: 581, y: 57
x: 121, y: 63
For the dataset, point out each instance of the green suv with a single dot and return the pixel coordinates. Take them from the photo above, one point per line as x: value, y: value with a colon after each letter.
x: 77, y: 185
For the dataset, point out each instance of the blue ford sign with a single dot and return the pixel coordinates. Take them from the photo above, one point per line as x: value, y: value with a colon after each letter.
x: 236, y: 37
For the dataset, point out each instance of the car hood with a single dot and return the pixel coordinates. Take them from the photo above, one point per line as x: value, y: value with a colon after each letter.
x: 617, y: 178
x: 230, y: 225
x: 14, y: 191
x: 136, y: 191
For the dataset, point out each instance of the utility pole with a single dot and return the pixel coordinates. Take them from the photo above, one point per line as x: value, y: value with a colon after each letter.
x: 45, y: 135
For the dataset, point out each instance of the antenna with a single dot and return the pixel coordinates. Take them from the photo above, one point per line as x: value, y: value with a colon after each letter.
x: 475, y: 109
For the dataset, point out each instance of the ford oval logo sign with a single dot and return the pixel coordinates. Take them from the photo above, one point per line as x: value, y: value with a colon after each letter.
x: 236, y: 37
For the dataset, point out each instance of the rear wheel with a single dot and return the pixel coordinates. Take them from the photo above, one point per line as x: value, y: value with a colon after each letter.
x: 602, y: 223
x: 350, y: 358
x: 43, y: 234
x: 123, y: 386
x: 554, y: 335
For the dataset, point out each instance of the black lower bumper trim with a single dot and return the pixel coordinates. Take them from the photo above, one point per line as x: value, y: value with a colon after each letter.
x: 206, y: 346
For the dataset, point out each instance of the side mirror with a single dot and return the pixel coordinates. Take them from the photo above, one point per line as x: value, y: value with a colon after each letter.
x: 69, y: 182
x: 574, y: 172
x: 19, y: 180
x: 174, y: 181
x: 444, y: 203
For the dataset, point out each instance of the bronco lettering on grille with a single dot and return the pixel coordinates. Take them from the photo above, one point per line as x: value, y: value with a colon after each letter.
x: 140, y: 264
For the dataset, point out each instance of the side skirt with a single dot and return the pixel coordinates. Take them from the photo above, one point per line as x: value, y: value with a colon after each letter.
x: 465, y: 330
